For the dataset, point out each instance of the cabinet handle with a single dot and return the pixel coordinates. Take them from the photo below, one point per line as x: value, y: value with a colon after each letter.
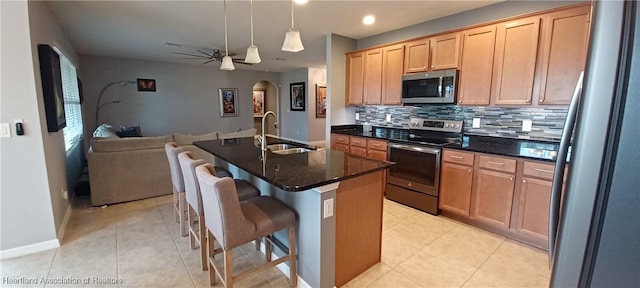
x: 433, y: 66
x: 544, y: 170
x: 496, y: 163
x: 456, y: 157
x: 469, y: 170
x: 524, y: 181
x: 529, y: 101
x: 510, y: 178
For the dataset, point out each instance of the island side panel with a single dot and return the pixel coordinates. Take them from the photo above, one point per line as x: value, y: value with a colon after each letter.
x: 358, y: 225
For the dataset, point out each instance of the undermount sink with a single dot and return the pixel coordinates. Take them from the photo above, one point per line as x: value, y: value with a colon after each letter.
x: 278, y: 147
x: 291, y: 151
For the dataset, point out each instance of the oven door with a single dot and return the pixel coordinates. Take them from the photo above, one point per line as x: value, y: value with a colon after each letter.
x: 417, y: 168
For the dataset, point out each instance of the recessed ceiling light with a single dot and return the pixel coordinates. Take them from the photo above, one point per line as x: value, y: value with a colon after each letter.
x: 300, y: 1
x: 368, y: 20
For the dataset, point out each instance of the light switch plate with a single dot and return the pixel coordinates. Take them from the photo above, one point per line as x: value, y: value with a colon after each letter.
x: 526, y: 125
x: 357, y: 116
x: 476, y: 122
x: 5, y: 130
x: 328, y: 208
x: 388, y: 117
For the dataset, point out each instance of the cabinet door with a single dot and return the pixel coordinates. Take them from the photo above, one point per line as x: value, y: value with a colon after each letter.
x: 563, y: 53
x: 373, y: 77
x: 392, y: 69
x: 359, y: 151
x: 493, y: 198
x: 341, y: 147
x: 444, y: 51
x: 376, y: 154
x: 476, y: 66
x: 533, y: 215
x: 355, y: 79
x: 515, y: 61
x: 416, y: 56
x: 455, y: 188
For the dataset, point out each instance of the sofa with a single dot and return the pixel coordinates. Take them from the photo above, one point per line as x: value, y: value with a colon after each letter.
x: 134, y: 168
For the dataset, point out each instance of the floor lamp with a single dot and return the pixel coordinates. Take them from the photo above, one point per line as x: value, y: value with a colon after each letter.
x: 104, y: 89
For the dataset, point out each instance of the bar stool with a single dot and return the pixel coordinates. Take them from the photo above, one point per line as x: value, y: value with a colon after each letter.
x: 233, y: 223
x: 195, y: 215
x: 172, y: 149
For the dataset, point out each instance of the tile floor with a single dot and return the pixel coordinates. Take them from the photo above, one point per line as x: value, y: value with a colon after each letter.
x: 138, y: 243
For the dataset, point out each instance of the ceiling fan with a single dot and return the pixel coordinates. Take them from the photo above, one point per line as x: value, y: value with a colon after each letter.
x: 207, y: 54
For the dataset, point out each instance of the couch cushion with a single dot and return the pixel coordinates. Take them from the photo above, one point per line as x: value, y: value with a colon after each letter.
x: 187, y: 139
x: 127, y: 144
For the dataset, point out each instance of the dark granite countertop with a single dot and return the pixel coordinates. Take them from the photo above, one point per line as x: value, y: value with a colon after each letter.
x: 292, y: 172
x: 524, y: 148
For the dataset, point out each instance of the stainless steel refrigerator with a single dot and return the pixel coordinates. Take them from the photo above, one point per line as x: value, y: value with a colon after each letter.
x: 595, y: 224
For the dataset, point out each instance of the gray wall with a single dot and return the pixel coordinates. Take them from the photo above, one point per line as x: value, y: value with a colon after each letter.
x: 293, y: 124
x: 317, y: 126
x: 26, y: 215
x: 271, y: 104
x: 186, y: 100
x: 337, y: 112
x: 472, y: 17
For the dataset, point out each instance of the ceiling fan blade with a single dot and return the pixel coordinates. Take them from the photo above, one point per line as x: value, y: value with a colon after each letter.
x: 209, y: 61
x: 205, y: 53
x: 232, y: 54
x: 241, y: 61
x: 191, y: 58
x: 192, y: 55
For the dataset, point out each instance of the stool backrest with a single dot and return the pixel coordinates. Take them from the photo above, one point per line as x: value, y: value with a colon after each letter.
x: 222, y: 212
x: 191, y: 188
x: 177, y: 179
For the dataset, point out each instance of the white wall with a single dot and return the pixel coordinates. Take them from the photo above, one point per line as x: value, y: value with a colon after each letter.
x: 26, y: 211
x: 317, y: 126
x: 293, y: 124
x: 337, y: 112
x: 186, y: 100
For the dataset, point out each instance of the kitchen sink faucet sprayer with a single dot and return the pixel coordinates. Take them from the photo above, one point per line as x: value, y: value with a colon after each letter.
x: 263, y: 140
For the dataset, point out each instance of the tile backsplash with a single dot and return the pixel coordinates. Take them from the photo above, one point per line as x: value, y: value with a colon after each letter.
x: 547, y: 122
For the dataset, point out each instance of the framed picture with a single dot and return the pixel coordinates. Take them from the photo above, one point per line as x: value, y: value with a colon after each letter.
x: 147, y: 85
x: 321, y: 101
x: 297, y: 96
x: 258, y: 102
x: 228, y: 102
x: 51, y: 77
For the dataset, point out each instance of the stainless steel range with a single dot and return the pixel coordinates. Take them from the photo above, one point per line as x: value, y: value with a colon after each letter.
x: 414, y: 180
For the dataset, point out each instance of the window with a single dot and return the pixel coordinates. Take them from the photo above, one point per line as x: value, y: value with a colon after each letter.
x: 72, y: 107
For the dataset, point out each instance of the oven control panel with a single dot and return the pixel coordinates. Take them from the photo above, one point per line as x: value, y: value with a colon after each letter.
x: 436, y: 125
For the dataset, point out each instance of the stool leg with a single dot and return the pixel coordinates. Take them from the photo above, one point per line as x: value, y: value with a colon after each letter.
x: 293, y: 276
x: 228, y: 269
x: 267, y: 249
x: 183, y: 217
x: 191, y: 220
x: 203, y: 240
x: 176, y: 208
x: 210, y: 258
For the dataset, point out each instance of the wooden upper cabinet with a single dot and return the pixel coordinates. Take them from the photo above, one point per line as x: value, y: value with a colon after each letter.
x: 355, y: 79
x: 563, y: 53
x: 515, y: 58
x: 416, y: 58
x: 445, y: 50
x: 392, y: 70
x: 373, y: 76
x: 476, y: 65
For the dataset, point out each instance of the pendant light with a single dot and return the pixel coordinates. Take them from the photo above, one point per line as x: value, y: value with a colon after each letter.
x: 227, y: 63
x: 292, y: 41
x: 252, y: 51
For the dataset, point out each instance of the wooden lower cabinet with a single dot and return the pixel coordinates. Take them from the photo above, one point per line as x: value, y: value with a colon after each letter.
x: 533, y: 216
x: 455, y: 188
x: 493, y: 198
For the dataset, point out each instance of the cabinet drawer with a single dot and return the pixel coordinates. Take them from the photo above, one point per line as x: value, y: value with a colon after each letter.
x: 377, y: 145
x: 342, y: 139
x: 360, y: 142
x: 358, y: 151
x: 539, y: 170
x: 341, y: 147
x: 463, y: 158
x: 498, y: 163
x: 378, y: 155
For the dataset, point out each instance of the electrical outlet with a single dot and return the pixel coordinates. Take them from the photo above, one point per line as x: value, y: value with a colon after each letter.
x: 328, y: 208
x: 5, y: 130
x: 388, y: 117
x: 526, y: 125
x: 476, y: 123
x: 357, y: 116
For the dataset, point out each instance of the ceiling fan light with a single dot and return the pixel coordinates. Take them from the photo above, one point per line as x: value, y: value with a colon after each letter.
x: 292, y: 41
x: 227, y: 64
x: 252, y: 55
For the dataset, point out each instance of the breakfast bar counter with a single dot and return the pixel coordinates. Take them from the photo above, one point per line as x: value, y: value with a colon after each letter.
x: 337, y: 197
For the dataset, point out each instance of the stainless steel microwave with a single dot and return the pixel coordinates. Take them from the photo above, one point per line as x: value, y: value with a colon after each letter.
x: 429, y: 87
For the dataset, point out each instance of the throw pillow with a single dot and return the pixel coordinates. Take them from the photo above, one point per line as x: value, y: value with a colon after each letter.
x: 129, y: 131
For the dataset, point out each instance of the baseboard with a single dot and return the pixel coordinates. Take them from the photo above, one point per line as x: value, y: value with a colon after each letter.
x: 29, y: 249
x: 65, y: 220
x: 284, y: 268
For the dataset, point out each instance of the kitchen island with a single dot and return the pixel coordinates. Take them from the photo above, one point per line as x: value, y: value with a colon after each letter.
x: 338, y: 199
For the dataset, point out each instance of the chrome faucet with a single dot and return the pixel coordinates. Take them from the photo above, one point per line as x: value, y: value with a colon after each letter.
x: 262, y: 139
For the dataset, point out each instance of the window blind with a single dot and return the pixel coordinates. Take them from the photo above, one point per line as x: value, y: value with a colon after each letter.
x: 73, y: 110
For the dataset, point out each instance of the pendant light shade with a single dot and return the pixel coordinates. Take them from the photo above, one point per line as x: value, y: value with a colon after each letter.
x: 292, y: 40
x: 227, y: 63
x: 252, y: 51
